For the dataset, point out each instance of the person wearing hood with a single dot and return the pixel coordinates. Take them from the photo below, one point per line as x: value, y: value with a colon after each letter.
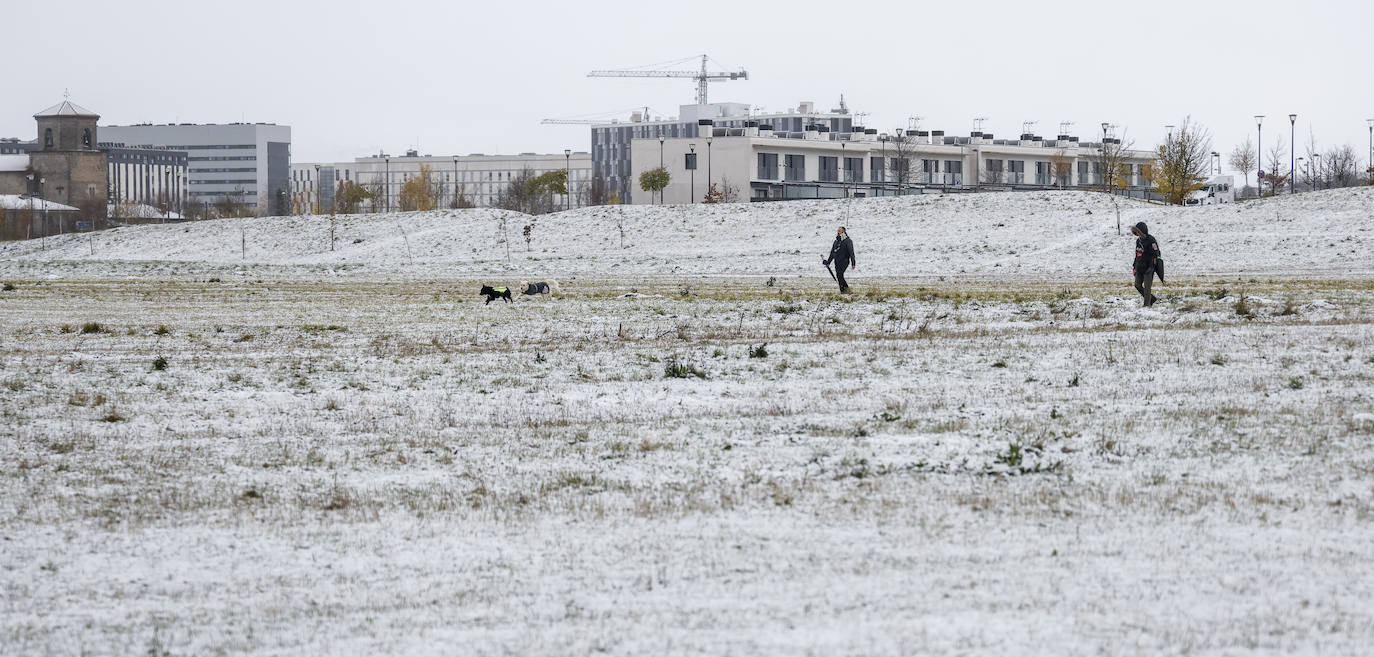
x: 1146, y: 259
x: 842, y: 254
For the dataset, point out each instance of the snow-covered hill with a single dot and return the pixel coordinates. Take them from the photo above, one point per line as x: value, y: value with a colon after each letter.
x: 1023, y: 234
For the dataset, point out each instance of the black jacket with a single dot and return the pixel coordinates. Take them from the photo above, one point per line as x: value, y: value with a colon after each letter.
x: 842, y: 253
x: 1146, y: 251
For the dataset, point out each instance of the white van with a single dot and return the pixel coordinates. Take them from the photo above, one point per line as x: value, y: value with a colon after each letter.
x: 1216, y: 191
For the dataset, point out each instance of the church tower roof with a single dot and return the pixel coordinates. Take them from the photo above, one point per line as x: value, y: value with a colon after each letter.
x: 67, y: 108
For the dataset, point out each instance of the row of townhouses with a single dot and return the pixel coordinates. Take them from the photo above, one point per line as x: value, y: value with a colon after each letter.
x: 806, y: 154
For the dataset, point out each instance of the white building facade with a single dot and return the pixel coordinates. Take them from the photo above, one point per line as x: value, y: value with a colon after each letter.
x: 247, y: 162
x: 758, y: 163
x: 611, y: 142
x: 477, y: 178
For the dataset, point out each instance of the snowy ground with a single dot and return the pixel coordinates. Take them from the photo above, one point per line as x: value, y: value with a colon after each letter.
x: 283, y: 450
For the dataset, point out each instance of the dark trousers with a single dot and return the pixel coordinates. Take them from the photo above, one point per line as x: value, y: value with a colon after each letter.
x: 840, y: 266
x: 1144, y: 280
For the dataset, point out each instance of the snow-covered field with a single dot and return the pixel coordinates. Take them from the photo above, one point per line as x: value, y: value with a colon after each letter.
x: 224, y: 438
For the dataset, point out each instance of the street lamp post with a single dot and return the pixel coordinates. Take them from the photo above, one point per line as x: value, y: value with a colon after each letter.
x: 692, y: 187
x: 846, y: 172
x: 454, y: 204
x: 567, y: 178
x: 884, y: 138
x: 1259, y: 150
x: 1316, y: 169
x: 1370, y: 162
x: 661, y: 139
x: 1105, y: 173
x: 1292, y: 163
x: 319, y: 202
x: 386, y: 187
x: 709, y: 187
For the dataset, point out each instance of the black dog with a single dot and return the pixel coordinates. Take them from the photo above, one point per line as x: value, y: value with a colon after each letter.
x: 494, y: 293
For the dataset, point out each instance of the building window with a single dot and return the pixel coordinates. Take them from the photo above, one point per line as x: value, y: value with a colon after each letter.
x: 853, y: 169
x: 877, y: 169
x: 768, y: 166
x: 829, y: 169
x: 796, y: 167
x: 86, y: 138
x: 47, y: 138
x: 1016, y: 171
x: 993, y: 171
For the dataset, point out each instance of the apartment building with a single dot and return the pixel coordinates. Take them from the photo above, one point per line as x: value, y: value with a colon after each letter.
x: 611, y: 142
x: 763, y: 163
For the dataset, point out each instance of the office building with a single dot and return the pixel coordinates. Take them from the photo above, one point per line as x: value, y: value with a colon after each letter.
x: 248, y: 163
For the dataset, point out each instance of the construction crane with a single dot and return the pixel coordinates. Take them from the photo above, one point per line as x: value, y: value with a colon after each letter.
x: 702, y: 77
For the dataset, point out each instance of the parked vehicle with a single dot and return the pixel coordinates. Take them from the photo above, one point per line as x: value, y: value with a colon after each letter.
x: 1218, y: 190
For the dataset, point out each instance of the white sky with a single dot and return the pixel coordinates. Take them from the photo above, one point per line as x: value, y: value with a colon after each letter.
x: 353, y: 77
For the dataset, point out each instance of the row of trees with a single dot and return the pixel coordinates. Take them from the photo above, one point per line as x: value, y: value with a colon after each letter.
x: 1338, y: 167
x: 656, y: 180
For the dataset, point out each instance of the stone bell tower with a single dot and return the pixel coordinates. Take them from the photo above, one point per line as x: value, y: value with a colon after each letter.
x: 68, y: 159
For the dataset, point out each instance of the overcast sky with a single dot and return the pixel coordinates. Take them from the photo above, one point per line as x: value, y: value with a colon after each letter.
x: 353, y: 77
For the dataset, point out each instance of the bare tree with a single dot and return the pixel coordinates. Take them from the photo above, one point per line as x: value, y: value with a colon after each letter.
x: 376, y: 192
x: 1342, y: 167
x: 903, y: 144
x: 1243, y: 159
x: 992, y: 172
x: 1278, y: 160
x: 1061, y: 167
x: 1112, y: 159
x: 729, y: 193
x: 597, y: 194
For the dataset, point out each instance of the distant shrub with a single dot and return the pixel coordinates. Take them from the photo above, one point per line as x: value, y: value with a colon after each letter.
x: 113, y: 416
x: 676, y: 369
x: 92, y: 327
x: 1243, y: 307
x: 160, y: 363
x: 1219, y: 359
x: 161, y: 330
x: 1013, y: 455
x: 1218, y: 294
x: 1000, y: 363
x: 1295, y: 383
x: 760, y: 351
x: 9, y: 287
x: 787, y: 308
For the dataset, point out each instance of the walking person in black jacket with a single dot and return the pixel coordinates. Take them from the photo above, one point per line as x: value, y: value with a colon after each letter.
x: 1146, y: 259
x: 842, y: 254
